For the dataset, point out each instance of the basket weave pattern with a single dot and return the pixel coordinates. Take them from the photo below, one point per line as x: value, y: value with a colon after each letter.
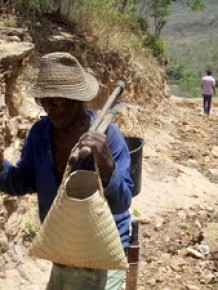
x: 80, y: 232
x: 61, y: 75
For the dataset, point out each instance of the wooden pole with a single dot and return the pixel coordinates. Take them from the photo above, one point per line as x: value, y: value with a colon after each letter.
x: 133, y: 259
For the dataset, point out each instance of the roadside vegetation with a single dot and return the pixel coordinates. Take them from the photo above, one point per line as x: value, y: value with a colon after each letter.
x: 105, y: 18
x: 191, y: 42
x: 135, y: 27
x: 101, y: 19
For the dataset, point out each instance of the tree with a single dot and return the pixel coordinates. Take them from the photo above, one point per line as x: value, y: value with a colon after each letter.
x: 158, y: 10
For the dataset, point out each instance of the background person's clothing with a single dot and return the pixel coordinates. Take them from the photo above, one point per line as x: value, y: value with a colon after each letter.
x: 207, y: 100
x: 71, y: 278
x: 36, y: 172
x: 208, y: 82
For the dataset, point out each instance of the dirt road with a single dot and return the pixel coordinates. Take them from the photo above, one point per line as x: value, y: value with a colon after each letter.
x: 179, y: 198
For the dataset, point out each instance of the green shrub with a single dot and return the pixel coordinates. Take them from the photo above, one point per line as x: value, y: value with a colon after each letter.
x: 157, y: 44
x: 175, y: 70
x: 190, y: 83
x: 186, y: 78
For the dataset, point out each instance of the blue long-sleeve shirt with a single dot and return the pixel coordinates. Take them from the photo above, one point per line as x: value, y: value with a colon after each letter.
x: 36, y: 172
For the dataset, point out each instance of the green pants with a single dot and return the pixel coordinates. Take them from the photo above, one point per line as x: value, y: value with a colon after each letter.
x: 70, y: 278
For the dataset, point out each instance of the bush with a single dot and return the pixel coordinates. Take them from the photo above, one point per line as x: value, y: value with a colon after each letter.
x: 183, y: 76
x: 175, y: 71
x: 190, y: 83
x: 157, y: 45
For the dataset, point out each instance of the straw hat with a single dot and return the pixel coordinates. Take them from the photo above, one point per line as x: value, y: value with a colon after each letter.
x: 79, y: 229
x: 61, y: 75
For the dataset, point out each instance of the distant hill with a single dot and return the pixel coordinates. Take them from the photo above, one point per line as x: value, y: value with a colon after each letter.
x: 192, y: 41
x: 192, y: 37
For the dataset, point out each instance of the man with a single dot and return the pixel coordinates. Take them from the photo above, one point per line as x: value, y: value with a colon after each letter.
x: 61, y: 89
x: 208, y: 89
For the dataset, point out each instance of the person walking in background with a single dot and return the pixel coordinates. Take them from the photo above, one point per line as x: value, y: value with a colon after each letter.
x: 208, y: 90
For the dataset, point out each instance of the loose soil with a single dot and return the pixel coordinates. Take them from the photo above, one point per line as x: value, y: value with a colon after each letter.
x: 178, y: 199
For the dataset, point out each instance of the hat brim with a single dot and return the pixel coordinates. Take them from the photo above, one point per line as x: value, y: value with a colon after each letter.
x: 85, y: 91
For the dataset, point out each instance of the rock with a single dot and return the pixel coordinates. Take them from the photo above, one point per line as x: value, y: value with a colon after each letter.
x: 11, y: 204
x: 195, y: 253
x: 146, y: 234
x: 182, y: 215
x: 204, y: 249
x: 192, y: 287
x: 12, y: 225
x: 152, y: 282
x: 165, y: 259
x: 213, y: 175
x: 4, y: 245
x: 207, y: 279
x: 215, y: 151
x: 158, y: 226
x: 2, y: 265
x: 14, y: 38
x: 144, y: 220
x: 14, y: 31
x: 14, y: 51
x: 178, y: 264
x: 210, y: 234
x: 198, y: 224
x: 183, y: 253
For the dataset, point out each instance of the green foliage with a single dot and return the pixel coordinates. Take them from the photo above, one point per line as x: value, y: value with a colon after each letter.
x: 186, y: 78
x: 193, y: 43
x: 105, y: 10
x: 136, y: 213
x: 26, y: 8
x: 136, y: 44
x: 196, y: 4
x: 175, y: 71
x: 190, y: 83
x: 30, y: 229
x: 157, y: 44
x: 159, y: 10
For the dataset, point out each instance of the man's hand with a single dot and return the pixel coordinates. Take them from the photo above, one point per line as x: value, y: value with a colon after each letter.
x: 2, y: 131
x: 98, y: 143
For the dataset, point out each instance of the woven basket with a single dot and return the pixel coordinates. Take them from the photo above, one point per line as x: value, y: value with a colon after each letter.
x: 79, y: 229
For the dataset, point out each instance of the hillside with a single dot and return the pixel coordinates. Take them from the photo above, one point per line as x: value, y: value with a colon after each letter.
x: 192, y: 36
x: 178, y: 203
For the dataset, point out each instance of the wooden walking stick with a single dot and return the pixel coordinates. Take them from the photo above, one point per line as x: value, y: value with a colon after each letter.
x: 133, y: 259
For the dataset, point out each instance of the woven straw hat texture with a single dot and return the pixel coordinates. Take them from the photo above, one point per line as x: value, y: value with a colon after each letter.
x: 80, y: 232
x: 61, y: 75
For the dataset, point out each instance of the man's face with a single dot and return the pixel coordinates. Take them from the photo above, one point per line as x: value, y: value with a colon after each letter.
x: 61, y: 112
